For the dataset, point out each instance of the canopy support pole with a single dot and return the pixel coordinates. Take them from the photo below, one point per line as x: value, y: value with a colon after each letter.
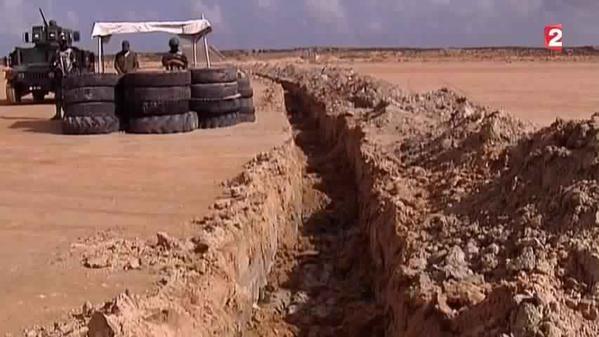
x: 195, y: 51
x: 99, y: 54
x: 206, y: 50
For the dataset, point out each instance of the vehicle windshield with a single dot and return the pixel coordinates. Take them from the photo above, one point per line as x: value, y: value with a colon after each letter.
x: 33, y: 55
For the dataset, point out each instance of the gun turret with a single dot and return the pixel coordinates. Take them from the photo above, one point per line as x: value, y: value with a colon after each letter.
x: 44, y: 18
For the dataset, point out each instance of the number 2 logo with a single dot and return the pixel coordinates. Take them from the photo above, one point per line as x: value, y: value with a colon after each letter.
x: 554, y: 35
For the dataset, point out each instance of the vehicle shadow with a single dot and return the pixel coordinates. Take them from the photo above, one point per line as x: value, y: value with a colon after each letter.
x: 36, y: 125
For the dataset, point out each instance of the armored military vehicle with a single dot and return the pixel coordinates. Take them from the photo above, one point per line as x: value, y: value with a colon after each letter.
x: 29, y: 69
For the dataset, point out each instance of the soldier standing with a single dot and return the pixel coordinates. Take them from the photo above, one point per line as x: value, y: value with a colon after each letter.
x: 64, y: 63
x: 126, y: 60
x: 174, y: 59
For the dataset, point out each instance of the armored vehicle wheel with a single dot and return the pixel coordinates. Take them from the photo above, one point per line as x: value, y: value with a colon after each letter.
x: 186, y: 122
x: 158, y: 79
x: 214, y: 75
x: 12, y: 95
x: 39, y: 96
x: 90, y: 125
x: 214, y: 91
x: 203, y: 107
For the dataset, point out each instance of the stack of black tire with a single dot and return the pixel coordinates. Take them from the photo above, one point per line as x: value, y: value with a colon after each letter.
x: 215, y: 96
x: 247, y: 111
x: 158, y: 103
x: 89, y: 104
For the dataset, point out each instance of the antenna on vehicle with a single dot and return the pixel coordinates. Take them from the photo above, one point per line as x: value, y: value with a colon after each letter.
x: 44, y: 18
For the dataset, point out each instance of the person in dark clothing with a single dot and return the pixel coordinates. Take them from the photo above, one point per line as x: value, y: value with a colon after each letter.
x: 126, y: 60
x: 174, y: 59
x: 64, y: 63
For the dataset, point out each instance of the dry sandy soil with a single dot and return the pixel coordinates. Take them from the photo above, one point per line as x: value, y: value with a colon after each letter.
x: 59, y: 189
x: 539, y: 92
x: 56, y: 189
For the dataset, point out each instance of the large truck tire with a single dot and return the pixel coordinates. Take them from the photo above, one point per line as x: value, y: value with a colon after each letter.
x: 138, y: 94
x: 186, y: 122
x: 90, y: 125
x: 214, y: 91
x: 203, y: 107
x: 89, y: 94
x: 158, y: 79
x: 90, y: 109
x: 157, y: 108
x: 219, y: 121
x: 90, y: 80
x: 214, y: 75
x: 245, y: 86
x: 247, y: 111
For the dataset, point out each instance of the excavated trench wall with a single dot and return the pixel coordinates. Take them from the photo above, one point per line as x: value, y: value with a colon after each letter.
x: 377, y: 210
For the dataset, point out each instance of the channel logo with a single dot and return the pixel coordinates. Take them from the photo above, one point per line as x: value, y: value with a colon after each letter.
x: 554, y: 37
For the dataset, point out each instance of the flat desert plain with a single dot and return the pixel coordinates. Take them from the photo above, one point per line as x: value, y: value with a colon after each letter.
x: 535, y: 91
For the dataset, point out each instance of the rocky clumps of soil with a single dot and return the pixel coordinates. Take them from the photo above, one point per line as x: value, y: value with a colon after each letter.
x: 483, y: 226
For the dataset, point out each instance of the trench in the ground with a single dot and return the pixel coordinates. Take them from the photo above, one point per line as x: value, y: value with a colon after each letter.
x: 322, y: 285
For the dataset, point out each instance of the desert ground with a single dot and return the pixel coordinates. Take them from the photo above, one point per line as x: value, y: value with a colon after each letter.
x: 58, y: 189
x: 302, y: 241
x: 538, y: 92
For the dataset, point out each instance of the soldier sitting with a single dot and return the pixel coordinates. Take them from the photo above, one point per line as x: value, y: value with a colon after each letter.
x: 174, y: 59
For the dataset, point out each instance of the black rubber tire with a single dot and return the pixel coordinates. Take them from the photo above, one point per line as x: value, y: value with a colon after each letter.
x: 219, y: 121
x: 214, y: 91
x: 247, y: 111
x: 246, y: 106
x: 158, y: 79
x: 246, y: 93
x: 157, y: 108
x: 214, y: 107
x: 214, y: 75
x: 158, y: 94
x: 245, y: 86
x: 91, y: 80
x: 89, y: 94
x: 90, y: 109
x: 90, y: 125
x: 186, y: 122
x: 247, y: 118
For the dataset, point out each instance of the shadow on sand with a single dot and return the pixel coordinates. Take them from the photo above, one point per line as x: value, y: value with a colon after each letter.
x: 35, y: 125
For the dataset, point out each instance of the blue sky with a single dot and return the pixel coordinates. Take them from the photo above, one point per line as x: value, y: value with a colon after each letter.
x: 290, y: 23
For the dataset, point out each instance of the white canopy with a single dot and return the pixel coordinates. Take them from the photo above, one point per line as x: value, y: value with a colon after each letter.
x: 191, y: 27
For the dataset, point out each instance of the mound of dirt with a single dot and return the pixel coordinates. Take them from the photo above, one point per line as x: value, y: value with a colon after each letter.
x: 478, y: 225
